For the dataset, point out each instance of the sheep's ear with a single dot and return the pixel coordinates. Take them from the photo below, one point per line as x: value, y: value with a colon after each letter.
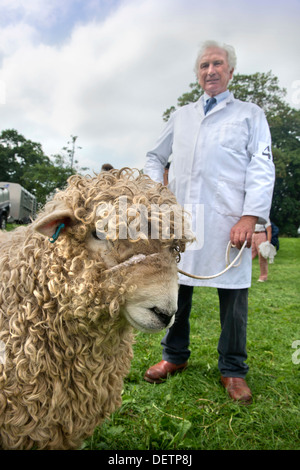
x: 49, y: 224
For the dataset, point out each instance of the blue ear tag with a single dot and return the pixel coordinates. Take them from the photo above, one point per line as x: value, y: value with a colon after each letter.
x: 56, y: 234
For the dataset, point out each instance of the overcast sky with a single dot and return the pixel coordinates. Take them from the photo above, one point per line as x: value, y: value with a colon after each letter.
x: 106, y: 70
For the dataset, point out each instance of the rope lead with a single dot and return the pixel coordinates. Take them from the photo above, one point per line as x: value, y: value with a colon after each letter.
x: 228, y: 264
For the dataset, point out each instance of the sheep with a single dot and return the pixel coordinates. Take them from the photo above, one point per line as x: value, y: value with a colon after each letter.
x: 70, y: 298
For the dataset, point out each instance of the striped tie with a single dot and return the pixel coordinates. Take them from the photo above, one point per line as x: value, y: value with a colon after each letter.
x: 209, y: 104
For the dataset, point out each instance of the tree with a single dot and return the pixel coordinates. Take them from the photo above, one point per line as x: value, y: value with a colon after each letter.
x: 263, y: 89
x: 43, y: 180
x: 71, y: 151
x: 17, y: 154
x: 24, y: 162
x: 285, y: 211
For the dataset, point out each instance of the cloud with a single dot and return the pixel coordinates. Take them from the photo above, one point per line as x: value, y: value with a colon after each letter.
x: 41, y: 11
x: 98, y: 84
x: 119, y: 65
x: 15, y: 36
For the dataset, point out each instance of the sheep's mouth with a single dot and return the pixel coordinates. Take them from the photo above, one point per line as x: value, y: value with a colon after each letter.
x: 163, y: 317
x: 152, y: 320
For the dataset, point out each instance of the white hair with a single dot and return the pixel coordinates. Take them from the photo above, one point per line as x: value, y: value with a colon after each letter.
x: 231, y: 56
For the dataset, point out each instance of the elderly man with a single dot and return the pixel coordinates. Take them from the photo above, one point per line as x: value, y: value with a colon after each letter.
x: 222, y: 170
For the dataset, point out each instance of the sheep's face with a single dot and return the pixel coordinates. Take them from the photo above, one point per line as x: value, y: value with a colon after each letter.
x: 109, y: 220
x: 151, y: 303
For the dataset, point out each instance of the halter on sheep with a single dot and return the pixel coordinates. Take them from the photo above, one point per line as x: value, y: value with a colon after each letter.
x: 65, y: 311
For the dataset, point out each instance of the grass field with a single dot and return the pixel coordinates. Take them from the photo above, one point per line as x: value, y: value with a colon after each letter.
x: 191, y: 411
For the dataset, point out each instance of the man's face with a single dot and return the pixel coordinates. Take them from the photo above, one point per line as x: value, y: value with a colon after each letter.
x: 214, y: 72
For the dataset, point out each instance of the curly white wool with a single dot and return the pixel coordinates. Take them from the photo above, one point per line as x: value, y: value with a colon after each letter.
x: 65, y: 316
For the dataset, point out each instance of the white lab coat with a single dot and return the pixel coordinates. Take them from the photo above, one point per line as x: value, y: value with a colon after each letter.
x: 221, y: 169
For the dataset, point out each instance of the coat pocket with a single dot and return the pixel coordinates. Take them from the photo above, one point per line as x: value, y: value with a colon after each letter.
x: 234, y: 136
x: 229, y: 199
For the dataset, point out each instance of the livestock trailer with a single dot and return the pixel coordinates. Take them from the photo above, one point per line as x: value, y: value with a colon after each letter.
x: 23, y: 203
x: 4, y: 205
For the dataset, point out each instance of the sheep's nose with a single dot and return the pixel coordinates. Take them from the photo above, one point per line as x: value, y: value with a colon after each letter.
x: 164, y: 317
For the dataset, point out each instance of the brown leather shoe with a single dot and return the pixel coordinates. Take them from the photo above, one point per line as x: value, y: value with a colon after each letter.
x: 237, y: 389
x: 159, y: 372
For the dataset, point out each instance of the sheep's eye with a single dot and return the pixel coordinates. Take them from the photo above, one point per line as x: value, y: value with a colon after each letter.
x: 94, y: 234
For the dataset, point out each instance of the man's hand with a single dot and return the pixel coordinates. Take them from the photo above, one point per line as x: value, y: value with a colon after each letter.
x: 243, y: 230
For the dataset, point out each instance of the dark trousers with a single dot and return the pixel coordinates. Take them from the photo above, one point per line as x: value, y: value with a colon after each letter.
x: 232, y: 342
